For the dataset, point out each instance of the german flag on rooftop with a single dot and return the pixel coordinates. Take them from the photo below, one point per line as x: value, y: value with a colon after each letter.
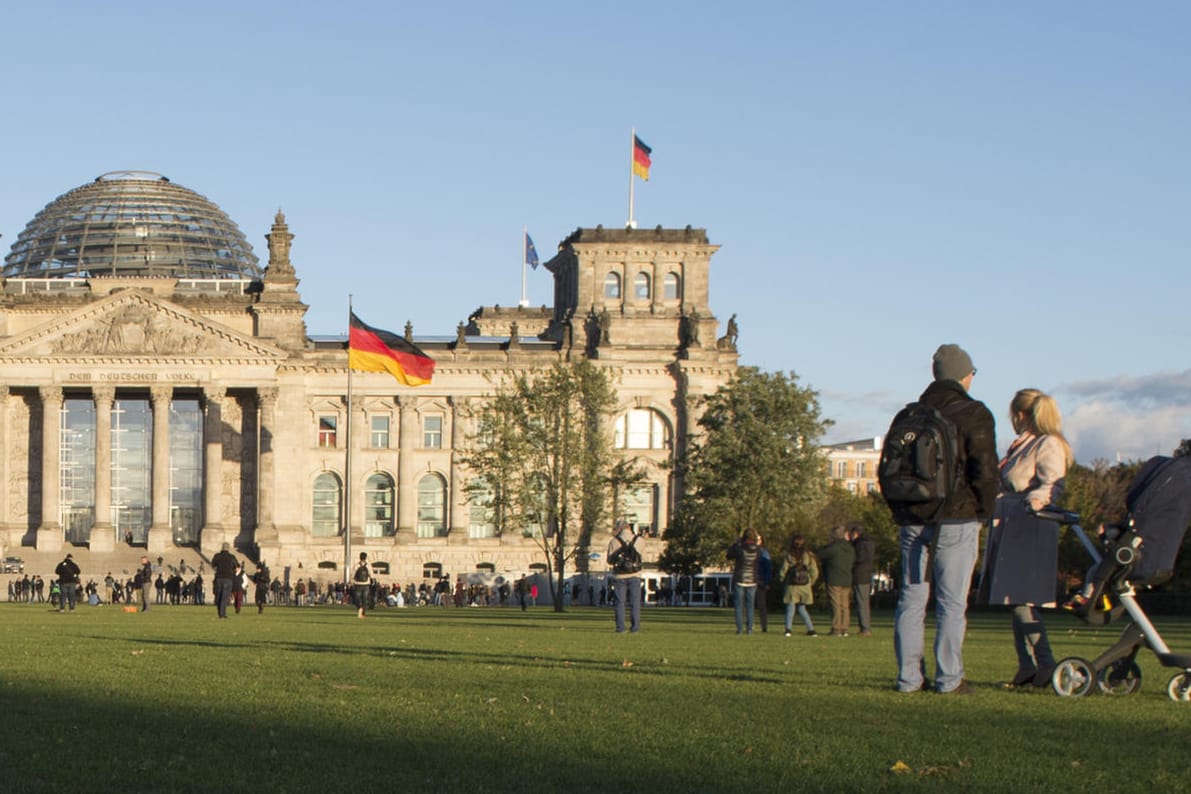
x: 373, y: 350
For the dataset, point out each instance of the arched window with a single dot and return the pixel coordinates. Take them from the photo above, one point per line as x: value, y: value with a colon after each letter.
x: 670, y: 287
x: 612, y: 286
x: 378, y: 506
x: 324, y: 523
x: 641, y: 287
x: 432, y: 506
x: 641, y: 428
x: 481, y: 521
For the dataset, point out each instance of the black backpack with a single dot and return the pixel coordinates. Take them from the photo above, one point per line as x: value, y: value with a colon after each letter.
x: 362, y: 575
x: 798, y: 574
x: 919, y: 466
x: 626, y: 559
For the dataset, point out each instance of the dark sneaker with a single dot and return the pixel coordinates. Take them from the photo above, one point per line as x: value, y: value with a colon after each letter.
x: 962, y: 689
x: 812, y: 633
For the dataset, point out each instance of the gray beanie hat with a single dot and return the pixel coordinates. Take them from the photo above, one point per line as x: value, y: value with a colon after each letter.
x: 951, y: 362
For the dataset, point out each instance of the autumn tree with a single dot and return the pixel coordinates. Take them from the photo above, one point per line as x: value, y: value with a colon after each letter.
x: 542, y: 461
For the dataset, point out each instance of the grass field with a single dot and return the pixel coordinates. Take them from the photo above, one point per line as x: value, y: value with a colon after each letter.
x: 312, y: 699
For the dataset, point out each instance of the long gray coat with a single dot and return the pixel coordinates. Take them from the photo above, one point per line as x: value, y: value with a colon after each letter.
x: 1022, y: 557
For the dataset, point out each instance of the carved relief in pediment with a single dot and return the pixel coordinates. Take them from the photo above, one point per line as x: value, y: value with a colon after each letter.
x: 135, y: 328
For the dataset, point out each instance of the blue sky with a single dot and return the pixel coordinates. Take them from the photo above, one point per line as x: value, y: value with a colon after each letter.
x: 882, y: 177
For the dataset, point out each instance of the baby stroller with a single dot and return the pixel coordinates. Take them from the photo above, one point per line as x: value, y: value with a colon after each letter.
x: 1140, y: 553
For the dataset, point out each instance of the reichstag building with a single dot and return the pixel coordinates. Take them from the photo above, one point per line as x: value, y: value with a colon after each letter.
x: 160, y: 393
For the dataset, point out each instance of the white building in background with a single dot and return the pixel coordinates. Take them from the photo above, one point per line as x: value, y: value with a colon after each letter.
x: 853, y: 464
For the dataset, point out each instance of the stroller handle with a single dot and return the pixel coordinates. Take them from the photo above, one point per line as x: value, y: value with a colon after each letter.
x: 1058, y: 515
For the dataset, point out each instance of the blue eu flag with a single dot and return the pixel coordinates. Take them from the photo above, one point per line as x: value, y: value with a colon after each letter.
x: 531, y: 254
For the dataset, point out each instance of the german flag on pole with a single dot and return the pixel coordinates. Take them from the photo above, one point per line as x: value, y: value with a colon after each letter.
x: 641, y: 161
x: 373, y: 350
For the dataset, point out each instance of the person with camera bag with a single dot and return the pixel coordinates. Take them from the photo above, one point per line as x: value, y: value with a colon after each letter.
x: 625, y: 561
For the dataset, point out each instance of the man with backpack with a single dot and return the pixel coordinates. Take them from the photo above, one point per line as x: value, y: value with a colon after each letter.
x: 625, y: 561
x: 361, y: 584
x: 939, y: 475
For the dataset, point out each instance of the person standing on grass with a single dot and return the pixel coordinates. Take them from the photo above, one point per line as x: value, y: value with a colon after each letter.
x: 146, y: 583
x: 260, y: 580
x: 862, y: 576
x: 225, y: 565
x: 764, y: 575
x: 625, y: 562
x: 798, y: 573
x: 361, y: 581
x: 1022, y: 555
x: 837, y: 558
x: 942, y: 554
x: 744, y: 554
x: 68, y: 582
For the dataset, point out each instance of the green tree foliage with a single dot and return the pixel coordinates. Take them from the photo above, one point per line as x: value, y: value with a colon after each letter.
x: 543, y: 463
x: 755, y: 463
x: 842, y: 507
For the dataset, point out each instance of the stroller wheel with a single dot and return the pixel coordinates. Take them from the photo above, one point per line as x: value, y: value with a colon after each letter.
x: 1122, y: 677
x: 1073, y: 677
x: 1179, y: 688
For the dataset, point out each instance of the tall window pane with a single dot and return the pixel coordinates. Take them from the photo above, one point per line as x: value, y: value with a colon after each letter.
x: 77, y: 470
x: 378, y: 506
x: 186, y: 470
x: 481, y: 521
x: 612, y: 286
x: 324, y: 522
x: 641, y: 287
x: 670, y: 287
x: 432, y: 501
x: 432, y: 432
x: 640, y: 508
x: 132, y: 469
x: 380, y: 432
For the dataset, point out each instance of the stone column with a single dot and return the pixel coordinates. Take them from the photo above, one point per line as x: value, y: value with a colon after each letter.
x: 5, y: 454
x: 160, y: 535
x: 266, y: 528
x: 103, y: 536
x: 49, y: 533
x: 212, y: 536
x: 409, y: 438
x: 457, y: 509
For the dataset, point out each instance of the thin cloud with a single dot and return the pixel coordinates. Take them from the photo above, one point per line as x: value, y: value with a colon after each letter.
x: 1127, y: 417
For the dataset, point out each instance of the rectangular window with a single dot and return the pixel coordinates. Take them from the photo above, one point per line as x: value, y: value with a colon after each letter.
x: 432, y: 432
x: 841, y: 469
x: 861, y: 469
x: 380, y: 432
x: 327, y: 426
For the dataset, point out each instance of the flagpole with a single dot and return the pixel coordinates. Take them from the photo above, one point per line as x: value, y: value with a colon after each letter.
x: 524, y: 257
x: 632, y: 224
x: 347, y: 466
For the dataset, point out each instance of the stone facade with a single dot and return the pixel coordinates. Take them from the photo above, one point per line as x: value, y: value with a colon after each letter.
x: 222, y: 373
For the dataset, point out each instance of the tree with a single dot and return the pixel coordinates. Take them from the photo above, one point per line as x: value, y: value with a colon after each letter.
x: 755, y: 463
x: 543, y: 461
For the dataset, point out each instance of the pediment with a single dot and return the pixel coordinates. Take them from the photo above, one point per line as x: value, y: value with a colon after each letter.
x: 136, y: 325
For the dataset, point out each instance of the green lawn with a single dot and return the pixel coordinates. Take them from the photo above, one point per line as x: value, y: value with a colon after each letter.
x: 313, y: 699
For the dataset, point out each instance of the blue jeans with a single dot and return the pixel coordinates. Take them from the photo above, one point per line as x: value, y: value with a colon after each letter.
x: 223, y: 594
x: 744, y: 596
x: 627, y: 589
x: 951, y: 575
x: 802, y: 613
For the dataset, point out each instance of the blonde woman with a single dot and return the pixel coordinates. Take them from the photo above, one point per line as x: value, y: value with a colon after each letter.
x: 1021, y: 561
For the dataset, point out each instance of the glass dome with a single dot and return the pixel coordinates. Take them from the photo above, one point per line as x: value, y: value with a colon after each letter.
x: 131, y: 223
